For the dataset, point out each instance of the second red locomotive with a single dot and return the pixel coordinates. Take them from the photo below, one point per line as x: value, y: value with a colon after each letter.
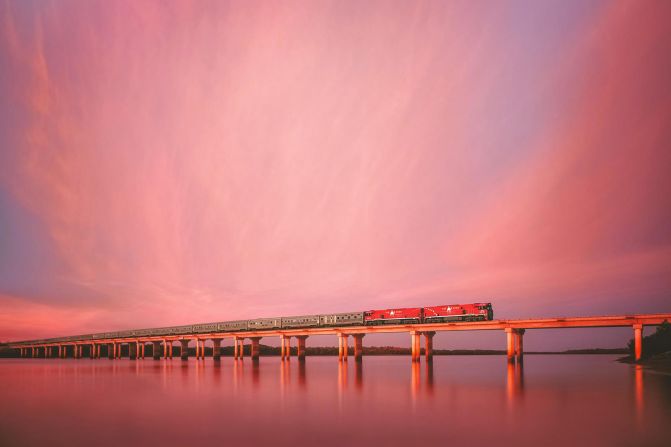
x: 434, y: 314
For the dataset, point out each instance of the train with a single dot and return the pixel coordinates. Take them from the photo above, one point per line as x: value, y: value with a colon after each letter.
x: 410, y: 315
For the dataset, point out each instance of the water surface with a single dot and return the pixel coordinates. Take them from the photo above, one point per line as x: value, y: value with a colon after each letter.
x: 461, y: 400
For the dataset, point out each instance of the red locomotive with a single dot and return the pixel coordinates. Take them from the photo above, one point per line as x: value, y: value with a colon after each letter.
x: 458, y: 312
x: 411, y: 315
x: 434, y: 314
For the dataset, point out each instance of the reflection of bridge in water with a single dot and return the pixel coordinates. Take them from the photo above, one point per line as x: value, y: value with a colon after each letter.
x: 162, y: 346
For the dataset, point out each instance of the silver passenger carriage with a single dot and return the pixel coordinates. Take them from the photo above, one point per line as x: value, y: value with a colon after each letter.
x: 343, y: 319
x: 232, y: 326
x: 204, y: 328
x: 264, y: 323
x: 300, y: 321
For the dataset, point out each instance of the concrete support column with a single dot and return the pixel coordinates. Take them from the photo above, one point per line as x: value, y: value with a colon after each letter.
x: 345, y: 348
x: 287, y: 347
x: 99, y: 348
x: 415, y: 345
x: 282, y: 346
x: 638, y: 341
x: 255, y: 348
x: 184, y: 350
x: 143, y: 346
x: 197, y: 349
x: 241, y: 348
x: 340, y: 350
x: 170, y: 349
x: 510, y: 344
x: 165, y: 349
x: 156, y: 350
x: 519, y: 345
x: 132, y: 350
x: 110, y: 351
x: 301, y: 347
x: 216, y: 348
x: 358, y: 347
x: 428, y: 345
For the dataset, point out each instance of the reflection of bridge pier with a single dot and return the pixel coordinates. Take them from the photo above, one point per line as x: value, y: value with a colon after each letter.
x: 638, y: 393
x: 514, y: 381
x: 416, y: 377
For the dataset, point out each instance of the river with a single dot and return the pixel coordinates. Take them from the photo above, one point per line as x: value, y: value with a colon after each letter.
x: 553, y: 400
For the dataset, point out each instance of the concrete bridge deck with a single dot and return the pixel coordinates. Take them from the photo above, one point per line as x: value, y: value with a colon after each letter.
x: 514, y: 330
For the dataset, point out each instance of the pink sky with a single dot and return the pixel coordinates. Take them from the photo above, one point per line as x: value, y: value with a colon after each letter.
x: 168, y: 163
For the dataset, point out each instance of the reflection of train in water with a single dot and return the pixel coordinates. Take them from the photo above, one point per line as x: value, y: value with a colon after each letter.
x: 413, y: 315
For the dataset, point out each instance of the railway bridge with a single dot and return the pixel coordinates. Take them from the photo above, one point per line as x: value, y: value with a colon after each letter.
x: 163, y: 344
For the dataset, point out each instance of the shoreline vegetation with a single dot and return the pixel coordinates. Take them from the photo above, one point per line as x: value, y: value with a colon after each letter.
x: 227, y: 351
x: 656, y: 352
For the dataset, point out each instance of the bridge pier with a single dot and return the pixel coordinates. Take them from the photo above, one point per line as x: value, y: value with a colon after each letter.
x: 638, y: 341
x: 240, y: 343
x: 342, y: 346
x: 198, y: 355
x: 156, y: 350
x: 216, y: 348
x: 428, y: 345
x: 285, y: 343
x: 184, y: 349
x: 358, y: 347
x: 415, y: 347
x: 255, y: 348
x: 510, y: 344
x: 519, y: 345
x: 132, y: 350
x: 301, y: 347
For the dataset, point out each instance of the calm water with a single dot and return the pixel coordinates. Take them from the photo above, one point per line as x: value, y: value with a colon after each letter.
x: 553, y: 400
